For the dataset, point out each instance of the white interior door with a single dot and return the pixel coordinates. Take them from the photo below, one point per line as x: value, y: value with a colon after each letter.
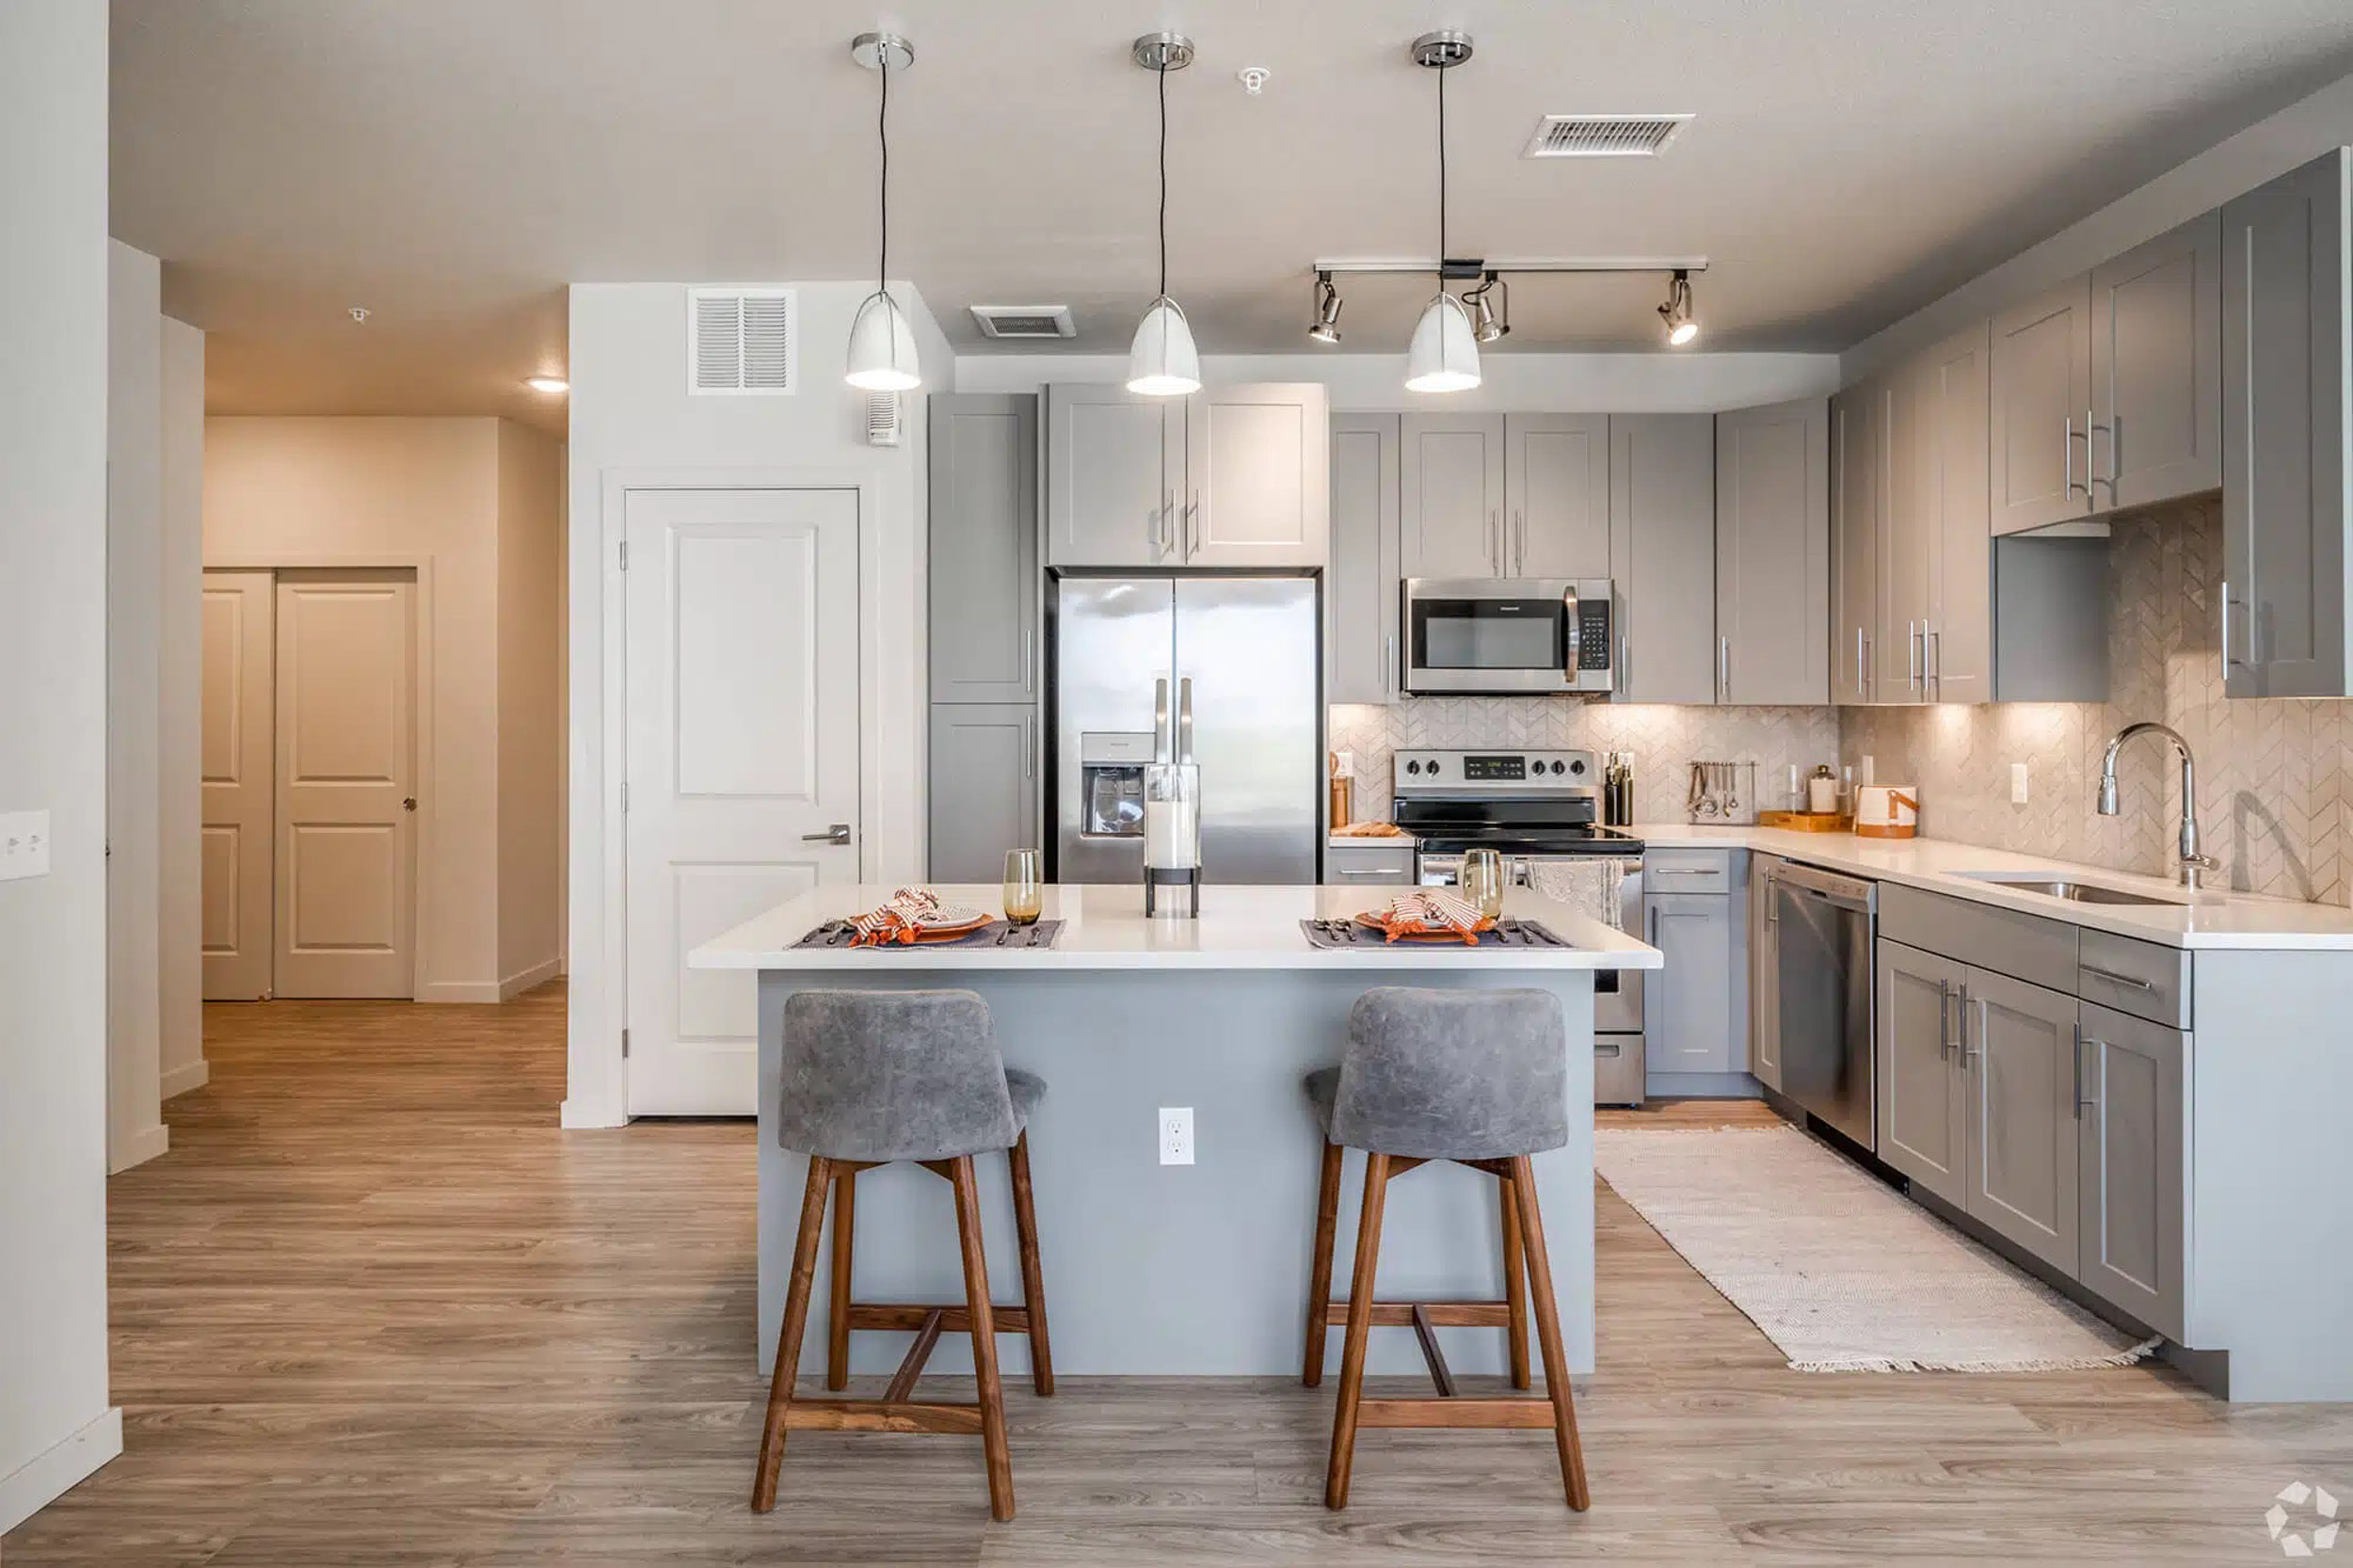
x: 742, y: 647
x: 235, y: 754
x: 346, y: 784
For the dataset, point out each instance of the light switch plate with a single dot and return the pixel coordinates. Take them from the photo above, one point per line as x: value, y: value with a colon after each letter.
x: 1175, y: 1134
x: 2018, y: 783
x: 23, y: 844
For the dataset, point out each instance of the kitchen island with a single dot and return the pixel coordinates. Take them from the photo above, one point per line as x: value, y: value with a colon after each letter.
x: 1186, y: 1270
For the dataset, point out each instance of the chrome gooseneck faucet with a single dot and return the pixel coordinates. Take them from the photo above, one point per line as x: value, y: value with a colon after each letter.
x: 2192, y: 863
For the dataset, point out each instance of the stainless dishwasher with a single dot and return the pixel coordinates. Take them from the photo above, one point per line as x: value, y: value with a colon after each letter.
x: 1824, y: 926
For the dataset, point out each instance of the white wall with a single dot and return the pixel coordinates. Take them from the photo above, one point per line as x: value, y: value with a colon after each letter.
x: 55, y: 1426
x: 180, y: 972
x: 1558, y: 383
x: 135, y: 544
x: 2266, y: 149
x: 631, y: 416
x: 531, y: 701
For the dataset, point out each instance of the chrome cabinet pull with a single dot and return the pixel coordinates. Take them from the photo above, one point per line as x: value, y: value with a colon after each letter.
x: 1912, y: 655
x: 1985, y: 1026
x: 1944, y: 1017
x: 1494, y: 527
x: 1723, y: 669
x: 1388, y: 663
x: 1861, y: 659
x: 2067, y: 423
x: 2092, y: 458
x: 2085, y: 1100
x: 1165, y: 535
x: 1193, y: 525
x: 1029, y: 749
x: 1520, y: 556
x: 1028, y: 668
x: 1932, y: 659
x: 1625, y: 664
x: 2114, y: 978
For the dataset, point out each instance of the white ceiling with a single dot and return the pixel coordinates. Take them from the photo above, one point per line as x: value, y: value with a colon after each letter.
x: 451, y: 164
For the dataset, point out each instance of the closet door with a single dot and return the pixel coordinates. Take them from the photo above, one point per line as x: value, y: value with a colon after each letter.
x: 236, y: 762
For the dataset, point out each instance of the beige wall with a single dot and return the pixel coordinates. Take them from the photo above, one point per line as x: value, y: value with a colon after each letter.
x: 398, y: 492
x: 531, y: 698
x: 179, y: 976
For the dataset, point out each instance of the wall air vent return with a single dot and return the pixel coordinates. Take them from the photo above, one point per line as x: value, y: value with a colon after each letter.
x: 1603, y: 136
x: 882, y: 418
x: 1025, y: 321
x: 741, y: 341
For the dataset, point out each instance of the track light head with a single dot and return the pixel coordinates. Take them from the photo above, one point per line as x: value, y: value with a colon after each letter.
x: 1327, y: 327
x: 1683, y: 324
x: 1490, y: 310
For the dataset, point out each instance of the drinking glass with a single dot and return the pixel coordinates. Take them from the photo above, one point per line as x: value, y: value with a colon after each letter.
x: 1482, y: 881
x: 1024, y: 897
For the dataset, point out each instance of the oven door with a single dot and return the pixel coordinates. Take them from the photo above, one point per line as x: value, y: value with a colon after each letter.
x: 1465, y: 634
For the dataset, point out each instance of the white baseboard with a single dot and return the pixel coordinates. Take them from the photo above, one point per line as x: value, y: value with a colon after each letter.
x: 60, y: 1469
x: 138, y: 1148
x: 478, y: 992
x: 181, y: 1079
x: 524, y: 979
x: 583, y: 1118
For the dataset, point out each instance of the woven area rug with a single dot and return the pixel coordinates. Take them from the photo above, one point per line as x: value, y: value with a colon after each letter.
x: 1840, y: 1271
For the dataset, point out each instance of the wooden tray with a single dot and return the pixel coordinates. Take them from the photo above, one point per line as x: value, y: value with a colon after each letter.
x: 1806, y: 822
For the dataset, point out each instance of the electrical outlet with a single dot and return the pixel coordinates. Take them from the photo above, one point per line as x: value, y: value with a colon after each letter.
x: 23, y: 844
x: 1175, y: 1134
x: 2018, y: 783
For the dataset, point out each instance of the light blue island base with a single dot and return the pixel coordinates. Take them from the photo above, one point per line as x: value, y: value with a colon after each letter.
x: 1179, y: 1270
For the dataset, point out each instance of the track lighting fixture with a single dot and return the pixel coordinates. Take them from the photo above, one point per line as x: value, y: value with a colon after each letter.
x: 1682, y: 325
x: 1327, y: 327
x: 1491, y: 308
x: 882, y: 342
x: 1162, y: 362
x: 1444, y: 355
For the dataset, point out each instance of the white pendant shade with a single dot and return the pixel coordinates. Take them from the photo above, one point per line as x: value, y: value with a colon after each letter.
x: 1162, y: 362
x: 1445, y: 355
x: 882, y: 347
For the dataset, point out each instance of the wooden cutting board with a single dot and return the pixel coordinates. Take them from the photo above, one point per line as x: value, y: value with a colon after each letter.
x: 1806, y: 822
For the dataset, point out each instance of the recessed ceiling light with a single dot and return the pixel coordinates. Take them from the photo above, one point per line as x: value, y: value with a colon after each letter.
x: 549, y: 384
x: 360, y: 315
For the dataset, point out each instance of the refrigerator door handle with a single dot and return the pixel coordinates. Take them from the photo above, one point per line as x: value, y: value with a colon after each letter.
x: 1163, y: 737
x: 1184, y: 720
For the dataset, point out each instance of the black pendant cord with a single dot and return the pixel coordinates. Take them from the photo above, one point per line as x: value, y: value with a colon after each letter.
x: 882, y: 134
x: 1442, y: 70
x: 1162, y: 74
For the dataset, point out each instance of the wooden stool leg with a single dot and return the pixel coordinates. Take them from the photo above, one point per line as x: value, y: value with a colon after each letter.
x: 983, y: 1340
x: 1549, y: 1336
x: 788, y: 1336
x: 1032, y: 1274
x: 1320, y: 1271
x: 838, y: 1318
x: 1360, y: 1290
x: 1514, y: 1284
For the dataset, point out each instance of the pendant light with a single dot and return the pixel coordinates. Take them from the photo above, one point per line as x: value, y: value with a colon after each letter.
x: 1162, y: 362
x: 1444, y: 355
x: 882, y: 343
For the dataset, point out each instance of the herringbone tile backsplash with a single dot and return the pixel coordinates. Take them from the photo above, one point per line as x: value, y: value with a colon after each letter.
x: 2272, y: 792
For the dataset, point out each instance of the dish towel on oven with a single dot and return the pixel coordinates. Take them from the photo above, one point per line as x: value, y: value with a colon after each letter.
x: 1588, y: 887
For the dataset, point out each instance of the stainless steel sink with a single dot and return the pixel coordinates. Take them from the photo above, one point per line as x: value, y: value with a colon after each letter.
x: 2075, y: 892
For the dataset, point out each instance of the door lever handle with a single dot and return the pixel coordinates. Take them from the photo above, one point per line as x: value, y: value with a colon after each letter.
x: 838, y: 834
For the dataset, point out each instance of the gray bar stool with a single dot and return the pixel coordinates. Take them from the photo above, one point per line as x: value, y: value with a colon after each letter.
x: 870, y: 1077
x: 1478, y: 1078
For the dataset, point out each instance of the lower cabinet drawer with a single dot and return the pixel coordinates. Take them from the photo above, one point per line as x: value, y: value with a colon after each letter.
x: 1618, y: 1071
x: 1375, y: 865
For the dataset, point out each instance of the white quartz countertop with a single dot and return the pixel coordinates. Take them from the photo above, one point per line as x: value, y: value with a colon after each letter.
x: 1104, y: 928
x: 2207, y: 919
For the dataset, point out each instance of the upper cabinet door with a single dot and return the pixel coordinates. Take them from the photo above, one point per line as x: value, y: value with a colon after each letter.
x: 1957, y: 651
x: 1856, y: 434
x: 1905, y: 558
x: 1258, y: 467
x: 2041, y: 392
x: 2284, y: 502
x: 1662, y: 546
x: 1360, y: 592
x: 2157, y: 368
x: 1772, y: 555
x: 1115, y: 466
x: 1450, y: 520
x: 984, y: 547
x: 1556, y: 482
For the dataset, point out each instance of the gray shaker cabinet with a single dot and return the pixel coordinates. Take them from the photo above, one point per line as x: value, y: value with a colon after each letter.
x: 983, y: 568
x: 1923, y: 1112
x: 1687, y: 1023
x: 2017, y: 1054
x: 986, y: 798
x: 1661, y: 552
x: 1361, y: 590
x: 1950, y: 478
x: 1772, y: 555
x: 1858, y: 451
x: 2157, y: 368
x: 1450, y: 516
x: 2042, y: 405
x: 1115, y: 477
x: 2285, y: 505
x: 1556, y: 487
x: 1764, y: 973
x: 2131, y: 1175
x: 1257, y: 476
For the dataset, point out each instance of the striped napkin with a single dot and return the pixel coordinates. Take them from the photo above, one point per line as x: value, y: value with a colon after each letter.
x: 900, y: 917
x: 1427, y: 913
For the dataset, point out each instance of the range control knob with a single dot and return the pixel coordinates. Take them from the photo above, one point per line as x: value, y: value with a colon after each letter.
x: 1578, y: 768
x: 1413, y: 767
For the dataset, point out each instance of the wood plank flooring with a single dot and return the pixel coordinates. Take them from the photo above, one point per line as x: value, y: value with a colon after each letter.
x: 375, y: 1308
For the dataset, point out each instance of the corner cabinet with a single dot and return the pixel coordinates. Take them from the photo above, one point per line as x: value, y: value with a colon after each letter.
x: 1235, y: 477
x: 1772, y: 555
x: 2285, y: 436
x: 1360, y: 592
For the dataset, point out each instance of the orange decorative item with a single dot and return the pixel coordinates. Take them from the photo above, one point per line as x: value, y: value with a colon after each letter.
x: 1428, y: 915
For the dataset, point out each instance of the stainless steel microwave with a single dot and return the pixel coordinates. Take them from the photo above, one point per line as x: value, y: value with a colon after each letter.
x: 1496, y: 636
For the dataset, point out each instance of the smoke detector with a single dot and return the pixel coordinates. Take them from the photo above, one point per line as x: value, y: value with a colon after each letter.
x: 1024, y: 321
x: 1603, y: 136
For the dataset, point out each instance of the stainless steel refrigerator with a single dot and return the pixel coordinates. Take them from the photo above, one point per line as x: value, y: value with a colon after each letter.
x: 1249, y: 646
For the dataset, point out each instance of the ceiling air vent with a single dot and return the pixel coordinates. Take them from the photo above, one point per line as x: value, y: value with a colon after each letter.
x: 740, y: 342
x: 1603, y: 136
x: 1025, y: 321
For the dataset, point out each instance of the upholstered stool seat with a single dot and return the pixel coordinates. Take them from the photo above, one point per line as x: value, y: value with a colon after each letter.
x: 870, y: 1078
x: 1480, y: 1079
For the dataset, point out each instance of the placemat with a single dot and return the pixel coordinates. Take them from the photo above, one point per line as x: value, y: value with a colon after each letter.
x: 996, y: 933
x: 1508, y: 933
